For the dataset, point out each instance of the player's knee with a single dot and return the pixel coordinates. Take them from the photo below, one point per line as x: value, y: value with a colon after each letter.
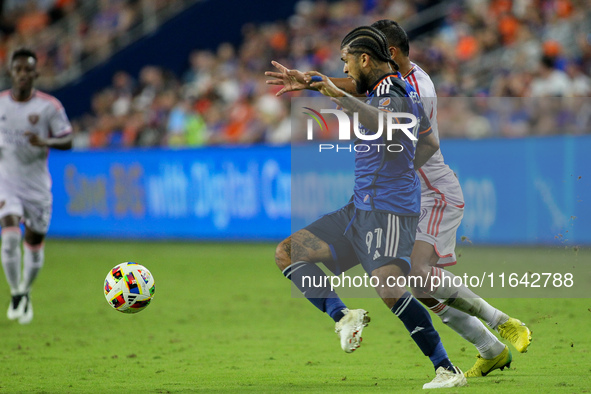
x: 33, y: 238
x: 420, y: 294
x: 389, y: 288
x: 420, y: 272
x: 283, y: 254
x: 417, y: 293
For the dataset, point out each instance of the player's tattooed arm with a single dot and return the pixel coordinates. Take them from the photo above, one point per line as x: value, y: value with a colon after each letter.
x: 368, y: 116
x: 293, y: 80
x: 346, y: 84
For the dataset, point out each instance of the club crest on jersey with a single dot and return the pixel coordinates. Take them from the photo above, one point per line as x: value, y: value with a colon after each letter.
x: 384, y: 102
x: 33, y: 118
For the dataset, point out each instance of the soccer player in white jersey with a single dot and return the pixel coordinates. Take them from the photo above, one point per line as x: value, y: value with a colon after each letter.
x: 442, y: 206
x: 31, y: 122
x: 441, y: 213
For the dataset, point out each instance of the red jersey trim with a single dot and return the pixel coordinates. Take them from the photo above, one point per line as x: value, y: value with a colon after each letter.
x: 413, y: 68
x: 442, y: 256
x: 435, y: 189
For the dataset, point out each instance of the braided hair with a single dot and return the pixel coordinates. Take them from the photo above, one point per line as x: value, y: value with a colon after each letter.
x: 367, y: 39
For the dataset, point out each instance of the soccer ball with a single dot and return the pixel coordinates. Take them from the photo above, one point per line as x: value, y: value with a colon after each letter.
x: 129, y: 287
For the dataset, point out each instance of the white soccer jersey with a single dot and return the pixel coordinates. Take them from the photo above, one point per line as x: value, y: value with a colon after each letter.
x: 434, y: 172
x: 23, y: 167
x: 442, y: 201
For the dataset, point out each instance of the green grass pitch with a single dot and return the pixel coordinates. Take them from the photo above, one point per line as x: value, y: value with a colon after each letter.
x: 223, y: 320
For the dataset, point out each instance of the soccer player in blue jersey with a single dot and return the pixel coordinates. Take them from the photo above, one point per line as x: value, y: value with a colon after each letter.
x: 386, y: 204
x: 439, y: 183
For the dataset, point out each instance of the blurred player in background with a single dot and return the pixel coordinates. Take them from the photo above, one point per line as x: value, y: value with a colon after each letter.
x: 386, y: 198
x: 442, y: 208
x: 31, y: 122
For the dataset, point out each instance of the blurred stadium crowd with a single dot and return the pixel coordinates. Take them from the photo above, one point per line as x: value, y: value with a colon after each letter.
x: 66, y: 33
x: 476, y: 48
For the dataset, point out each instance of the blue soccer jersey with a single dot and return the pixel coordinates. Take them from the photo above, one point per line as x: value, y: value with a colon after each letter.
x: 385, y: 179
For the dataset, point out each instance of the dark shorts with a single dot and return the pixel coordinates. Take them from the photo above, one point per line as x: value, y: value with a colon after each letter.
x: 371, y: 238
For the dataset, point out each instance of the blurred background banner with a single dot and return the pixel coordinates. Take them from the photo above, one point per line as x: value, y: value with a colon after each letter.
x: 521, y: 191
x: 524, y: 191
x: 214, y: 193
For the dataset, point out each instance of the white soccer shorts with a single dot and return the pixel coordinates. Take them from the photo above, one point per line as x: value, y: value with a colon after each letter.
x: 438, y: 224
x: 36, y: 214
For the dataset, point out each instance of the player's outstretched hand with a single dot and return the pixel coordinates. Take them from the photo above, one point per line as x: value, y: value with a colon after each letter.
x: 323, y: 84
x: 35, y: 140
x: 291, y: 80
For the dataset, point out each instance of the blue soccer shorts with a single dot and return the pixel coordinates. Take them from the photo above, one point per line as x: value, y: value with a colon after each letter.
x: 370, y: 238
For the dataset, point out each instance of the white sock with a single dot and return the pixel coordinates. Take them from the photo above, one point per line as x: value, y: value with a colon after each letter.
x: 463, y: 299
x: 11, y: 257
x: 33, y: 262
x: 471, y: 329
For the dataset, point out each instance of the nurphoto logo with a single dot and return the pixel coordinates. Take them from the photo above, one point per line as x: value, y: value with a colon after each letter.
x: 388, y: 124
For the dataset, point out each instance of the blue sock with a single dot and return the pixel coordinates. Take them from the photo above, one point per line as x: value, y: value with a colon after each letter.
x: 417, y: 321
x: 315, y: 286
x: 334, y: 307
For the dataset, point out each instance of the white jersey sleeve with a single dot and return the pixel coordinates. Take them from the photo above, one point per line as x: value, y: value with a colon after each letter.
x: 435, y: 175
x: 420, y: 80
x: 59, y: 125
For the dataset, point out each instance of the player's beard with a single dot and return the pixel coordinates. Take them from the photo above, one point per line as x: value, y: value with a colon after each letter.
x: 362, y: 84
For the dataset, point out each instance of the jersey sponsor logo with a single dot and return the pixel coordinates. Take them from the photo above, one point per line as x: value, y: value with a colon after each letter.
x: 34, y: 118
x: 415, y: 97
x: 384, y: 102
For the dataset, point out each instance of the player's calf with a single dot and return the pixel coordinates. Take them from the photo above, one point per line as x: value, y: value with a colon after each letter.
x: 11, y: 257
x: 295, y: 256
x: 387, y: 287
